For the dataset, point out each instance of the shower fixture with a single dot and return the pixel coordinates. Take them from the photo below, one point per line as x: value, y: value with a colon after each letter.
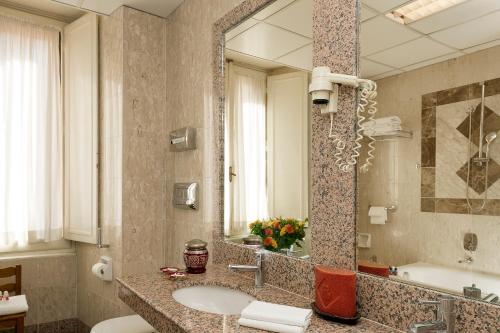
x: 489, y: 138
x: 483, y: 157
x: 480, y: 159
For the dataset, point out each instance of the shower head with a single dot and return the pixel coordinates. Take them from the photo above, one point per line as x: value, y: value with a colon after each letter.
x: 490, y: 137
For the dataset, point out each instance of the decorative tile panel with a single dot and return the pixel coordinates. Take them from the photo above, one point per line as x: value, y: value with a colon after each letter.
x: 445, y: 145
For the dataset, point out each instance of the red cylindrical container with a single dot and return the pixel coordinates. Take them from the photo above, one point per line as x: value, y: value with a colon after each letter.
x: 335, y: 291
x: 196, y: 256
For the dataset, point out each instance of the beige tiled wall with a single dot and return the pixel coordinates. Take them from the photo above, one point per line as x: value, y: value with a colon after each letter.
x: 97, y: 300
x: 144, y: 142
x: 189, y: 103
x: 132, y: 170
x: 412, y: 235
x: 49, y: 283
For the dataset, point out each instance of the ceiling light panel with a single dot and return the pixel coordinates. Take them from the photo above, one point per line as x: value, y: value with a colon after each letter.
x: 419, y: 9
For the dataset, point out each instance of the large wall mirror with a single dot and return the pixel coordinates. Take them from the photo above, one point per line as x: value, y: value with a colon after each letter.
x: 268, y: 60
x: 428, y: 211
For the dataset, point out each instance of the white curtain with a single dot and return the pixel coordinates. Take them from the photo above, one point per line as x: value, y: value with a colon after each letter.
x: 31, y: 204
x: 246, y: 129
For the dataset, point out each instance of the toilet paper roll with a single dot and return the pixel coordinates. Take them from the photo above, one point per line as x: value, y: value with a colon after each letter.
x: 98, y: 270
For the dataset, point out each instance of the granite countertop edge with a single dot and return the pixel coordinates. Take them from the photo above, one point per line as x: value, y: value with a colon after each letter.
x: 155, y: 291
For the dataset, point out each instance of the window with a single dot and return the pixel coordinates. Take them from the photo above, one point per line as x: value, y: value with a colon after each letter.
x: 246, y: 196
x: 31, y: 149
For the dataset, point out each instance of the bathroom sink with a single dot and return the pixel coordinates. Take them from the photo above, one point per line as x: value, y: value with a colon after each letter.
x: 213, y: 299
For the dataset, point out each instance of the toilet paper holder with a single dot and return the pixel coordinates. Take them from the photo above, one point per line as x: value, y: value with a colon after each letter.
x: 104, y: 268
x: 390, y: 208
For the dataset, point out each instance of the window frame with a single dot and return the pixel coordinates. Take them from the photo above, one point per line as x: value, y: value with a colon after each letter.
x: 62, y: 245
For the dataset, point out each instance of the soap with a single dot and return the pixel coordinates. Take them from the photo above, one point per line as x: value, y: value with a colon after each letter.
x: 373, y: 268
x: 335, y: 291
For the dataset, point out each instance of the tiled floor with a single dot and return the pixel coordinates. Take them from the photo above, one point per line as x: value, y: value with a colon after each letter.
x: 63, y: 326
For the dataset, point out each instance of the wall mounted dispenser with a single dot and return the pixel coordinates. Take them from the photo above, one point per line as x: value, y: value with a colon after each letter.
x: 186, y: 196
x: 183, y: 139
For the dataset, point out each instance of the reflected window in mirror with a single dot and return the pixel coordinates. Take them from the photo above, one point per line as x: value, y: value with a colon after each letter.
x: 268, y: 60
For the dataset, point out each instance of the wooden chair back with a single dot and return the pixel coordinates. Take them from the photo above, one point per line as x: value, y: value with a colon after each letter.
x: 13, y: 287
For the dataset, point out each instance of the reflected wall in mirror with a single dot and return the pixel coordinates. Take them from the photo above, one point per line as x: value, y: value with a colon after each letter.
x: 267, y: 129
x: 428, y: 211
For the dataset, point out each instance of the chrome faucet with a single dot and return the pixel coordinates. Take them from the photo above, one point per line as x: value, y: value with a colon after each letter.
x: 259, y: 258
x: 444, y: 321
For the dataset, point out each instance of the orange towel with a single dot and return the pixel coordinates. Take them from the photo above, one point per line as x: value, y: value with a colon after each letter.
x: 373, y: 268
x: 336, y: 291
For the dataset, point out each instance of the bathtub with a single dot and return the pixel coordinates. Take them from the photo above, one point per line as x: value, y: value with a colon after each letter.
x: 448, y: 279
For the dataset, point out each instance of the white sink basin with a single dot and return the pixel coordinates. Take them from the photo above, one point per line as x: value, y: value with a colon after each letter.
x: 213, y: 299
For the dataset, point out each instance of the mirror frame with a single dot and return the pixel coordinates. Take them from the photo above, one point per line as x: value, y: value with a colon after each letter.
x: 332, y: 202
x: 333, y: 193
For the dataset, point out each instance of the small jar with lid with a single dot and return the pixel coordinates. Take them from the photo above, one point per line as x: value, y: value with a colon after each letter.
x: 253, y: 241
x: 196, y: 256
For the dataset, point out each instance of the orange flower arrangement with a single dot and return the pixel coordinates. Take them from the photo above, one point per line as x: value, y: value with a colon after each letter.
x: 279, y: 233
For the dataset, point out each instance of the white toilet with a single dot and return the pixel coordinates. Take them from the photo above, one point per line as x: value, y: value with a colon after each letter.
x: 127, y: 324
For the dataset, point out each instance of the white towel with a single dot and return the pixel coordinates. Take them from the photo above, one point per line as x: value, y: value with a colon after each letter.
x: 378, y: 215
x: 277, y: 313
x: 15, y: 304
x: 272, y: 327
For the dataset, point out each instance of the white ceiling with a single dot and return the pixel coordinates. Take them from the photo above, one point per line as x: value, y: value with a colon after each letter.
x: 45, y: 8
x: 282, y: 33
x: 389, y: 48
x: 157, y: 7
x: 69, y: 10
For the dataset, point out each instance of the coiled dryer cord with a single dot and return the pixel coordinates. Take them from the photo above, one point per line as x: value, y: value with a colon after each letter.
x: 367, y: 105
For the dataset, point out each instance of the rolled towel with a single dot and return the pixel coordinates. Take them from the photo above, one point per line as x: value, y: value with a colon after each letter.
x: 277, y: 313
x: 272, y: 327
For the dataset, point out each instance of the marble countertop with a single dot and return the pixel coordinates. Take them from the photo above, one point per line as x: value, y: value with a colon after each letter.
x: 151, y: 297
